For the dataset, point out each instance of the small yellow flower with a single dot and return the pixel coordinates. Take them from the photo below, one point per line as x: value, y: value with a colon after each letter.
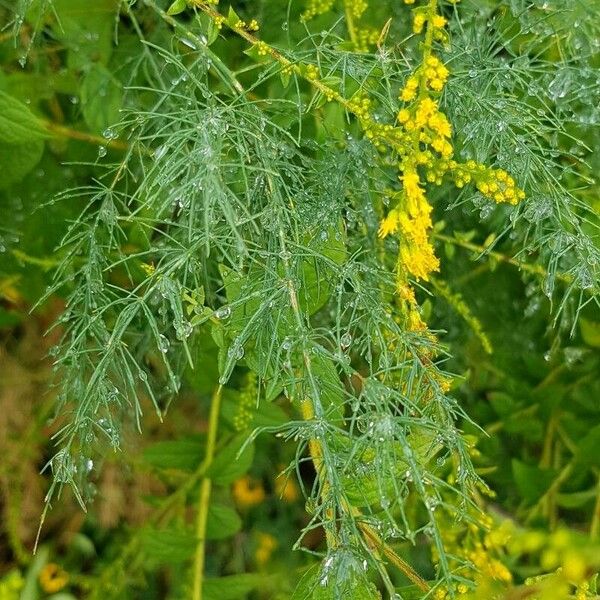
x: 266, y: 544
x: 418, y: 22
x: 248, y: 492
x: 573, y: 567
x: 439, y: 21
x: 389, y: 224
x: 286, y: 488
x: 52, y: 578
x: 403, y: 116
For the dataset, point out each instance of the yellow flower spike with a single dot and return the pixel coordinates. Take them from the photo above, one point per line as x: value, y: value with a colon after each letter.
x: 389, y: 224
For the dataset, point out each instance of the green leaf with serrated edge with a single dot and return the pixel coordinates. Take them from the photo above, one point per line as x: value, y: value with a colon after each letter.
x: 355, y: 585
x: 101, y: 98
x: 168, y: 546
x: 183, y: 454
x: 177, y: 7
x: 232, y: 587
x: 18, y: 125
x: 227, y: 466
x: 222, y: 522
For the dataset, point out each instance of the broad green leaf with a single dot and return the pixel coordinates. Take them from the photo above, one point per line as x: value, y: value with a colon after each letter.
x: 311, y: 587
x: 183, y: 454
x: 222, y: 522
x: 590, y: 332
x: 18, y: 159
x: 315, y: 290
x: 330, y: 386
x: 18, y: 125
x: 177, y: 7
x: 232, y: 587
x: 368, y: 486
x: 532, y: 481
x: 86, y: 29
x: 227, y: 466
x: 101, y: 98
x: 232, y: 17
x: 168, y: 546
x: 588, y: 454
x: 576, y: 499
x: 266, y: 415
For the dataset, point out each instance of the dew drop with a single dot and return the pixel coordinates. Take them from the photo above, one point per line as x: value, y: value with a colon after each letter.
x: 163, y: 343
x: 102, y: 151
x: 109, y: 134
x: 345, y: 341
x: 223, y: 313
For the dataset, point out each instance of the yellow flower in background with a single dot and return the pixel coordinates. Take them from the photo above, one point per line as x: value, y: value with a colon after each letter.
x: 266, y: 545
x: 286, y: 488
x: 248, y: 492
x: 11, y: 585
x: 53, y: 578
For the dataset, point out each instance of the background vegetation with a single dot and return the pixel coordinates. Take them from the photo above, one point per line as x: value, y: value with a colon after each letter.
x: 299, y: 299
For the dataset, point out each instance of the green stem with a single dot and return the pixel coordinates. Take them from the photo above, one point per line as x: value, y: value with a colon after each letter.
x: 82, y: 136
x: 533, y: 269
x: 595, y: 525
x: 350, y: 23
x: 205, y: 489
x: 224, y: 73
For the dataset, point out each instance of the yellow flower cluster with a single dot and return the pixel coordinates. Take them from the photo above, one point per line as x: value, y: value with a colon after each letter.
x: 286, y: 488
x: 482, y: 543
x: 558, y: 551
x: 315, y: 8
x: 363, y: 36
x: 421, y: 17
x: 251, y: 26
x: 356, y: 7
x: 266, y: 544
x: 412, y: 218
x: 219, y: 20
x: 262, y: 48
x: 247, y: 492
x: 495, y: 184
x: 432, y: 75
x: 311, y: 71
x: 247, y: 401
x: 52, y: 578
x: 423, y: 139
x: 11, y: 585
x: 366, y: 37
